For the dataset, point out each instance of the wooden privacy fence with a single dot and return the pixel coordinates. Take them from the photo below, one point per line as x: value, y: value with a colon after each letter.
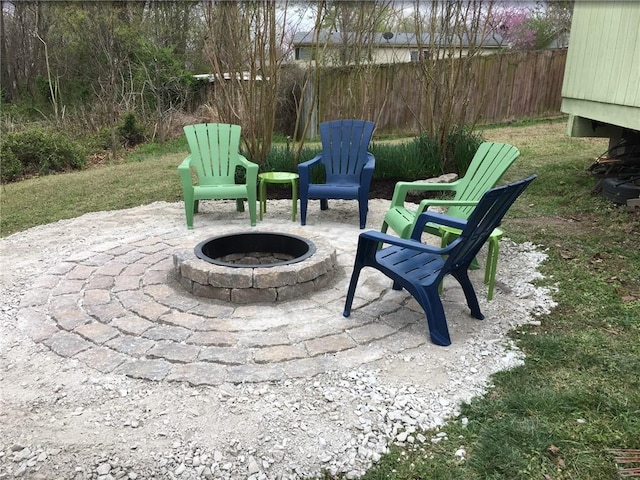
x: 503, y: 87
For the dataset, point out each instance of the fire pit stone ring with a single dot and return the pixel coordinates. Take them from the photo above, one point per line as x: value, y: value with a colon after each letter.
x: 230, y: 277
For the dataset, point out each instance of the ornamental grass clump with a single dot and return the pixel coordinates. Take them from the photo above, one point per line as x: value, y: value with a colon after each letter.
x: 38, y: 152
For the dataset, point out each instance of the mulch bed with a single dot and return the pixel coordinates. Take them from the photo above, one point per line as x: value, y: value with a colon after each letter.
x: 380, y: 188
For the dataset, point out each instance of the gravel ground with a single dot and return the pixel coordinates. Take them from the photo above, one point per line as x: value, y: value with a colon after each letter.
x: 61, y: 420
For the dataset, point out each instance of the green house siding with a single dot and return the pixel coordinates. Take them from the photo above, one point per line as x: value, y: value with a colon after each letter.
x: 602, y: 73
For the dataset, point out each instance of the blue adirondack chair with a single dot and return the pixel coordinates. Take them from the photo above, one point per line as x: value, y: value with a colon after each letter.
x: 489, y: 163
x: 215, y: 156
x: 420, y: 268
x: 347, y: 164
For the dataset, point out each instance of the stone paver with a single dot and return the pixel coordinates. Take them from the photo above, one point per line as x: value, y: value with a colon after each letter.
x: 96, y: 332
x: 330, y: 344
x: 174, y: 352
x: 145, y: 369
x: 132, y: 324
x: 119, y: 309
x: 102, y: 358
x: 280, y: 353
x: 225, y: 356
x: 199, y: 374
x: 67, y: 344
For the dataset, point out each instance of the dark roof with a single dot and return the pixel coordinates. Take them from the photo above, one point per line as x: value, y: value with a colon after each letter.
x: 395, y: 39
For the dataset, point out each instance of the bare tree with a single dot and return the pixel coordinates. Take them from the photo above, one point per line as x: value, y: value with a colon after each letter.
x: 450, y: 34
x: 169, y: 28
x: 54, y: 84
x: 22, y: 52
x: 245, y: 51
x: 7, y: 80
x: 344, y: 34
x: 559, y: 14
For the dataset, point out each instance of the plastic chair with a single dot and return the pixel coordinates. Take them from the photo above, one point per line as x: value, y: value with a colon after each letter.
x: 347, y: 164
x: 215, y: 155
x: 420, y: 268
x: 488, y: 165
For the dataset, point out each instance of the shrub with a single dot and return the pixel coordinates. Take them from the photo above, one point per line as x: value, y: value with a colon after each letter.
x: 404, y: 161
x: 462, y: 145
x: 11, y: 169
x: 427, y: 148
x: 289, y: 94
x: 98, y: 141
x: 282, y: 159
x: 422, y: 158
x: 419, y: 158
x: 38, y: 152
x: 130, y: 131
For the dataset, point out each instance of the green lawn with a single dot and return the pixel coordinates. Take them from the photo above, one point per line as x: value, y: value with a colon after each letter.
x: 578, y: 393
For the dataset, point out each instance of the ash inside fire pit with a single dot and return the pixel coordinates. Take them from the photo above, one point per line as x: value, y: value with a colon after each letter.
x: 250, y: 250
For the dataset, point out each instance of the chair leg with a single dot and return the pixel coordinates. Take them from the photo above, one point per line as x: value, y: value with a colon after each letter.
x: 462, y: 277
x: 363, y: 208
x: 324, y: 204
x: 262, y: 187
x: 239, y: 205
x: 196, y: 206
x: 492, y: 265
x: 190, y: 206
x: 430, y: 302
x: 294, y: 199
x: 445, y: 239
x: 352, y: 289
x: 252, y: 209
x: 365, y: 256
x: 303, y: 207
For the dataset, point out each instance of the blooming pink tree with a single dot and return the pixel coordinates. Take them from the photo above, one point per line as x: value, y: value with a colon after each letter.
x: 521, y: 28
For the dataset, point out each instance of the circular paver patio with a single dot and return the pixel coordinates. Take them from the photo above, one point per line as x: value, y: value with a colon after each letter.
x: 117, y: 307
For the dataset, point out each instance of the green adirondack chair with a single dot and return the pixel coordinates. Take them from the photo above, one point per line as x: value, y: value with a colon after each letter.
x: 215, y: 154
x: 419, y: 268
x: 489, y: 163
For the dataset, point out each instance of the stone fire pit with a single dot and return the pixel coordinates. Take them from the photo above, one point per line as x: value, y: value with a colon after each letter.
x: 246, y: 268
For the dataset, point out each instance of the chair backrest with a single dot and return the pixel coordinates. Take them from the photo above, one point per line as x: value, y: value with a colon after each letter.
x: 344, y: 149
x: 215, y: 149
x: 488, y: 165
x: 485, y: 217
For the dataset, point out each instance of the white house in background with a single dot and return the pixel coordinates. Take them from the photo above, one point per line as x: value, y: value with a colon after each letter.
x: 210, y: 77
x: 385, y: 47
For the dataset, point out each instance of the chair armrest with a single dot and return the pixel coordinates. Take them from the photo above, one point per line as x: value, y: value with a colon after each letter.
x: 433, y: 217
x: 367, y: 171
x: 311, y: 163
x: 184, y: 170
x: 246, y: 163
x: 432, y: 202
x: 251, y: 171
x: 304, y: 169
x: 403, y: 188
x: 186, y: 163
x: 379, y: 237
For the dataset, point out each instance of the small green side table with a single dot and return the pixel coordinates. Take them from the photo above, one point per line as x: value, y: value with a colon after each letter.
x: 278, y: 177
x: 449, y: 234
